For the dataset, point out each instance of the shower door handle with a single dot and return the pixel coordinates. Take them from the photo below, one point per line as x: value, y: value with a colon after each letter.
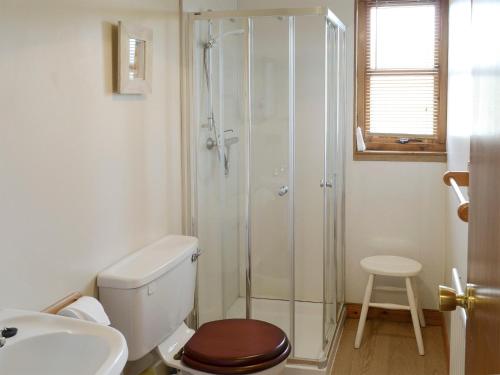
x: 328, y: 184
x: 283, y: 190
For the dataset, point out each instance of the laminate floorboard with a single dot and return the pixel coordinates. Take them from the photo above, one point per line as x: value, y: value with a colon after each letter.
x: 390, y: 348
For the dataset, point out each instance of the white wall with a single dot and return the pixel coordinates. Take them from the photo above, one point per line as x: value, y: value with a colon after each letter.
x: 392, y: 207
x: 87, y: 176
x: 395, y: 208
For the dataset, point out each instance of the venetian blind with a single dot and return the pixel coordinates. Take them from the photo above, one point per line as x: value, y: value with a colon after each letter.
x: 402, y: 68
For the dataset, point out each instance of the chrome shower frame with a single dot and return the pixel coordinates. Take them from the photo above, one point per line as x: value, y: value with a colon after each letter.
x: 190, y: 121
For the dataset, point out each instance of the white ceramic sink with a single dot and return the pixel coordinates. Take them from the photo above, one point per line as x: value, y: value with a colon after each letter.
x: 54, y: 345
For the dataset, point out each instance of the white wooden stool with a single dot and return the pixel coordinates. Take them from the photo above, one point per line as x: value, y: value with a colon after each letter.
x: 386, y: 265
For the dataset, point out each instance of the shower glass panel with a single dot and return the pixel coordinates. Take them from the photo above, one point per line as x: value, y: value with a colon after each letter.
x: 232, y: 156
x: 221, y: 164
x: 339, y: 272
x: 309, y: 173
x: 271, y: 189
x: 266, y: 120
x: 334, y: 172
x: 330, y: 223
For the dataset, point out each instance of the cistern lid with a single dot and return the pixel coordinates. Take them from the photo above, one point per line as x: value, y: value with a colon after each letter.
x: 148, y: 263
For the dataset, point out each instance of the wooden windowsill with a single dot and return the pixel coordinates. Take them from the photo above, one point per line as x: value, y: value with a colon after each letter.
x: 419, y: 156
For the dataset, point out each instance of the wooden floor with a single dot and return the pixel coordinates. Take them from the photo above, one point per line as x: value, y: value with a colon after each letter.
x: 389, y: 348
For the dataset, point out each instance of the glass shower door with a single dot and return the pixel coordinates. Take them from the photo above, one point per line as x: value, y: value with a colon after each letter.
x: 271, y: 170
x: 340, y: 173
x: 310, y: 110
x: 334, y: 180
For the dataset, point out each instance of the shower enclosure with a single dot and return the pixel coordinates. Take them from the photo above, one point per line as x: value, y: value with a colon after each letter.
x: 266, y: 121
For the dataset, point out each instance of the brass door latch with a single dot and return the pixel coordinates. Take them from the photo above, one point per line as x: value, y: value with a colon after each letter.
x: 449, y: 299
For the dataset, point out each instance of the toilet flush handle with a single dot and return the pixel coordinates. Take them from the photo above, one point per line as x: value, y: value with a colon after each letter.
x: 196, y: 255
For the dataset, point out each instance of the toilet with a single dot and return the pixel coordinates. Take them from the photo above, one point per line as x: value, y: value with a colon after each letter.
x: 148, y: 295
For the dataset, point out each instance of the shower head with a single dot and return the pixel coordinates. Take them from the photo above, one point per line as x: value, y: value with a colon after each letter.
x: 213, y: 41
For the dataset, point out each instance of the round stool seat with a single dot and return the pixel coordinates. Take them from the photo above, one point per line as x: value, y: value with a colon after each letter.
x: 236, y: 346
x: 388, y: 265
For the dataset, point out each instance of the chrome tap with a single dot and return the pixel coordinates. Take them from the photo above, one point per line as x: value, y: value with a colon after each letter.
x: 7, y: 333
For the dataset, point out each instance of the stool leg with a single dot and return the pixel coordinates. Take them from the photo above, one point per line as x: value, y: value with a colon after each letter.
x: 414, y: 316
x: 421, y: 317
x: 364, y: 312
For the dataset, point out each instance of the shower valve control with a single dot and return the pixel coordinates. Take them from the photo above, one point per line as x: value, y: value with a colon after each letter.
x: 211, y: 143
x: 283, y: 190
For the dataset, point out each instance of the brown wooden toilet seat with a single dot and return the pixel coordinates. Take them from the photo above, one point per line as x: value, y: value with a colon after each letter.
x: 236, y: 346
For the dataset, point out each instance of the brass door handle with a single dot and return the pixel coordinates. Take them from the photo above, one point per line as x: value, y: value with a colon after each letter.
x: 449, y: 299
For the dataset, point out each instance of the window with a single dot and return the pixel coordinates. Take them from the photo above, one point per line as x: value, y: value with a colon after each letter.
x: 401, y: 76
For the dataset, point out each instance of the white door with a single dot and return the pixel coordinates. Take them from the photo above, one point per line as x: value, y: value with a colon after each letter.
x: 460, y: 108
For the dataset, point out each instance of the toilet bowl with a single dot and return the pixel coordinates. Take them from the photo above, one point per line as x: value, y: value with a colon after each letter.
x: 148, y: 295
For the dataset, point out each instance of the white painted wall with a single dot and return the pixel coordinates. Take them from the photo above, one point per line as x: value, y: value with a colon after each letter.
x: 398, y: 209
x: 392, y: 207
x: 87, y: 176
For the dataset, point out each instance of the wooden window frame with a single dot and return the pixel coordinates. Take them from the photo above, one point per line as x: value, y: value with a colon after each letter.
x: 386, y: 147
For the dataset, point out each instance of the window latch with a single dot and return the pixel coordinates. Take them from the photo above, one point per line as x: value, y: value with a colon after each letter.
x: 404, y: 141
